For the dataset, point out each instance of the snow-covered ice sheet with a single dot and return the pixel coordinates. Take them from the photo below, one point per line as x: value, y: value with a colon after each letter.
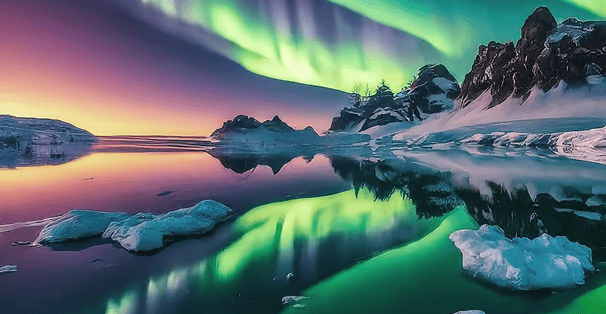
x: 140, y: 232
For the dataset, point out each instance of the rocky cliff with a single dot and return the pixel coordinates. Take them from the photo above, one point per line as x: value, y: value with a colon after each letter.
x: 547, y: 53
x: 432, y: 91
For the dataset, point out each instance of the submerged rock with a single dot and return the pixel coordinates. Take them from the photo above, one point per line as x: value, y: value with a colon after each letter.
x: 141, y: 232
x: 521, y: 263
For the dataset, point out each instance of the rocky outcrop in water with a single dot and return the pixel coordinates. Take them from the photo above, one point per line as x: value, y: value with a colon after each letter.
x: 242, y: 124
x: 432, y: 91
x: 547, y: 53
x: 249, y: 130
x: 31, y: 141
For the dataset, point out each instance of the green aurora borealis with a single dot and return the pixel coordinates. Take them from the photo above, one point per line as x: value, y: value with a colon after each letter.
x: 343, y: 42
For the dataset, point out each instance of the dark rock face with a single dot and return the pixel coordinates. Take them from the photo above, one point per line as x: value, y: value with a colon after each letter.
x: 244, y: 123
x: 432, y: 91
x: 545, y: 54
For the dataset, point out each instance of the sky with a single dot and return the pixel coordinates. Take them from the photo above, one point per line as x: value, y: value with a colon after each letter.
x: 182, y: 67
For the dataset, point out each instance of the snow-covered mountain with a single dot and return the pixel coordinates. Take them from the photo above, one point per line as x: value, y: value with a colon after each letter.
x: 34, y: 131
x: 573, y: 52
x: 247, y: 129
x: 433, y: 90
x: 28, y: 141
x: 552, y: 81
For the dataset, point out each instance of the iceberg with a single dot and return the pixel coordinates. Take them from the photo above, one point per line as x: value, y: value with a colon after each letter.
x: 8, y: 269
x: 140, y: 232
x: 292, y: 299
x: 470, y: 312
x: 77, y: 224
x: 146, y: 232
x: 521, y: 263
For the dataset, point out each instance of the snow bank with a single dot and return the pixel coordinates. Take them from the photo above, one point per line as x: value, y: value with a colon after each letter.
x: 141, y: 232
x: 520, y: 263
x: 561, y: 102
x: 594, y: 138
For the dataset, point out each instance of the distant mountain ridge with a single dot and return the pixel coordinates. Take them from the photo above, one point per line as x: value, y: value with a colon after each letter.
x: 40, y: 131
x: 250, y: 129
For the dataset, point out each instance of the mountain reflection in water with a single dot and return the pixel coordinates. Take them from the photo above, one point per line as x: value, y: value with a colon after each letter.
x: 311, y: 238
x: 526, y: 194
x: 383, y: 243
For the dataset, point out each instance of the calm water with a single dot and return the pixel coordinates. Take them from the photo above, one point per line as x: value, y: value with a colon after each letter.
x: 360, y: 233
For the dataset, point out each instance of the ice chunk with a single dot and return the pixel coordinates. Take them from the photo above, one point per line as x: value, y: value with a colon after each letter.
x: 470, y: 312
x: 146, y: 232
x: 141, y: 232
x: 77, y: 224
x: 291, y: 299
x: 521, y: 263
x: 8, y: 269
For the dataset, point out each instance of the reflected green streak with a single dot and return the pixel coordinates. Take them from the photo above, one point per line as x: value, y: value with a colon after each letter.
x: 270, y: 238
x: 426, y: 277
x: 591, y: 302
x: 127, y: 304
x: 391, y: 281
x: 274, y: 228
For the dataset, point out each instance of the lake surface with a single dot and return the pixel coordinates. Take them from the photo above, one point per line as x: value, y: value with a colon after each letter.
x: 357, y: 232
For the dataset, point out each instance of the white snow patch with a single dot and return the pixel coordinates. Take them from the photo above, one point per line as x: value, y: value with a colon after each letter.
x: 595, y: 138
x: 521, y: 263
x: 560, y: 102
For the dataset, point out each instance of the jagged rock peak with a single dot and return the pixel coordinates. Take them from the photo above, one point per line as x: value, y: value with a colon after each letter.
x: 433, y: 90
x: 546, y: 54
x: 243, y: 123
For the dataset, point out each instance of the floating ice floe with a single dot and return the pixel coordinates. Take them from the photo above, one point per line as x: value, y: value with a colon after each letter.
x: 470, y: 312
x: 521, y: 263
x: 292, y: 299
x: 8, y: 269
x: 140, y: 232
x: 77, y: 224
